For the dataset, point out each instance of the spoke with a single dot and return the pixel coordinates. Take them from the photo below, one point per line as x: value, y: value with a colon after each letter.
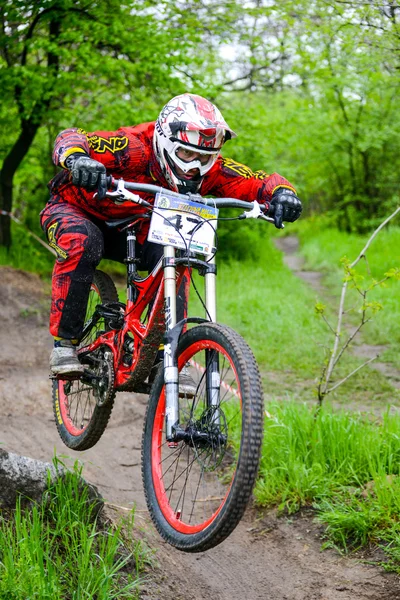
x: 227, y: 368
x: 199, y: 391
x: 174, y: 477
x: 183, y: 491
x: 239, y: 412
x: 197, y: 491
x: 184, y: 471
x: 226, y: 390
x: 76, y: 409
x: 181, y: 448
x: 84, y: 409
x: 178, y: 449
x: 79, y: 391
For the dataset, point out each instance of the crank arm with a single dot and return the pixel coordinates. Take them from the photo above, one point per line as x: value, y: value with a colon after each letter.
x: 90, y: 378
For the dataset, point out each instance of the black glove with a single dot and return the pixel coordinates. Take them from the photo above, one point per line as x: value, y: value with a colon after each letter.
x: 285, y: 206
x: 87, y: 173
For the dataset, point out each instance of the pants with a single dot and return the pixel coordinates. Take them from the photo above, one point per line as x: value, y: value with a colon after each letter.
x: 81, y: 241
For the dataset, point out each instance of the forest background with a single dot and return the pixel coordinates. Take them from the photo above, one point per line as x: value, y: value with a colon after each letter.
x: 310, y: 87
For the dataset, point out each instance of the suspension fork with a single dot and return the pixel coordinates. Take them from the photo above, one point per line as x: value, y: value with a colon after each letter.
x: 170, y: 357
x: 173, y: 331
x: 213, y: 379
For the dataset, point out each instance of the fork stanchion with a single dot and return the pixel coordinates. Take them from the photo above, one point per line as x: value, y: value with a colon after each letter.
x: 170, y: 359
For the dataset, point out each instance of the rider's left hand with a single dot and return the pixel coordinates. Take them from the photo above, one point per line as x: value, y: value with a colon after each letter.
x: 286, y: 206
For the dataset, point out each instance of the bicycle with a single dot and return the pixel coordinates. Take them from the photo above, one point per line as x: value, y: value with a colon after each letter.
x: 200, y: 449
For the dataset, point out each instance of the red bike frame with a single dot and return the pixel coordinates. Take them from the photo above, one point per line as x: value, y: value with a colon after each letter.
x: 148, y: 336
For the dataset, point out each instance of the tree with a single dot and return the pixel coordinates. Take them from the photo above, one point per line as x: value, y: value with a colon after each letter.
x: 61, y: 58
x: 327, y: 106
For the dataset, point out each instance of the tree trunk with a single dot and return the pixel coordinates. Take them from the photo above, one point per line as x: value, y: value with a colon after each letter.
x: 10, y: 165
x: 29, y: 127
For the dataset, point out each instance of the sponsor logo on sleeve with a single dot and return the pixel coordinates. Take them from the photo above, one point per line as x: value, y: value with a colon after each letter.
x: 112, y: 144
x: 233, y: 167
x: 260, y: 175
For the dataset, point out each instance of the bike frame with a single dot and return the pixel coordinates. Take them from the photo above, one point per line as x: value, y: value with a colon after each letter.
x: 157, y: 293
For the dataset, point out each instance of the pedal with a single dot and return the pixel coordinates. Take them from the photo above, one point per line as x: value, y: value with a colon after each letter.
x: 67, y: 376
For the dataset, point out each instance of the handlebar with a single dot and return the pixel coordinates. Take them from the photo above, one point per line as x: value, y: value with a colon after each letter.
x: 149, y: 188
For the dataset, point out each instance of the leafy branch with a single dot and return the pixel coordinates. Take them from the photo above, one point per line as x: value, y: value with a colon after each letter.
x: 368, y: 309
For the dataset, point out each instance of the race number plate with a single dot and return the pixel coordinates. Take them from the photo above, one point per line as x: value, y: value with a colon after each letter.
x: 183, y: 224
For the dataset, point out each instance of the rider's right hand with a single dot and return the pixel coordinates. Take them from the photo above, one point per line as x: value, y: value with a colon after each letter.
x: 88, y: 173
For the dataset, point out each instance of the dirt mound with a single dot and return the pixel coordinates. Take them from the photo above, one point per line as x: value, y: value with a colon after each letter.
x: 265, y: 558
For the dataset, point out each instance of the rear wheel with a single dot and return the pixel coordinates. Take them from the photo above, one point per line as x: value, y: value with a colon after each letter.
x: 82, y: 407
x: 198, y: 488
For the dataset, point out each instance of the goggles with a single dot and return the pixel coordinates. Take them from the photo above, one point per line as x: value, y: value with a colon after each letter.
x: 187, y: 158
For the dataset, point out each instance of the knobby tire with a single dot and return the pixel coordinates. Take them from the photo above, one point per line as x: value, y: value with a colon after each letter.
x: 93, y: 422
x: 205, y: 519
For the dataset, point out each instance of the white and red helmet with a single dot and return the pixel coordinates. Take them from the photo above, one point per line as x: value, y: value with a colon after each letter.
x: 193, y: 123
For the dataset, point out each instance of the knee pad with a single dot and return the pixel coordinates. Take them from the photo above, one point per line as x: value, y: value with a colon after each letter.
x: 93, y: 244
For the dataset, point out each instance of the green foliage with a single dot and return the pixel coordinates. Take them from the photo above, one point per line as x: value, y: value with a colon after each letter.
x: 364, y: 515
x: 308, y: 455
x: 324, y: 246
x: 27, y: 254
x: 93, y: 65
x: 259, y: 297
x: 292, y: 133
x: 318, y: 100
x: 275, y: 312
x: 344, y: 464
x: 60, y: 550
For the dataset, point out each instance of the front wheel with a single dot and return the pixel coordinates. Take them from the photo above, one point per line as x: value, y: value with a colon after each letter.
x: 198, y: 488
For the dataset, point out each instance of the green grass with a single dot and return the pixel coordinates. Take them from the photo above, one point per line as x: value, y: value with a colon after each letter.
x: 275, y: 312
x: 323, y: 247
x: 60, y: 550
x: 344, y: 464
x: 271, y: 308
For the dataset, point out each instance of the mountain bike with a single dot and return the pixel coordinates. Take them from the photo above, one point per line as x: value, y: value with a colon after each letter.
x: 201, y: 446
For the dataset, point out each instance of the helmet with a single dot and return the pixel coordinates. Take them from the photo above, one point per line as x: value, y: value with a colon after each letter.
x: 189, y: 134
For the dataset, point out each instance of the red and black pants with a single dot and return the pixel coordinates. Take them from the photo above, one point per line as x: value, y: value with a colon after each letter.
x: 81, y: 241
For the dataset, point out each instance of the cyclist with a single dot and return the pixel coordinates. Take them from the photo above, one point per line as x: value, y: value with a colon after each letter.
x: 180, y: 151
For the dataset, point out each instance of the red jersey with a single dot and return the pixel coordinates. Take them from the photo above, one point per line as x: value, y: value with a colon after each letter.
x: 128, y: 153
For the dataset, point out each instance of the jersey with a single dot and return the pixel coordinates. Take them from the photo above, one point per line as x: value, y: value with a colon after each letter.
x: 128, y: 153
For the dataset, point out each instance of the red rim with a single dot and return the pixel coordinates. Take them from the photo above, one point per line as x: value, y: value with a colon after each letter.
x: 63, y: 398
x: 173, y: 518
x: 64, y: 410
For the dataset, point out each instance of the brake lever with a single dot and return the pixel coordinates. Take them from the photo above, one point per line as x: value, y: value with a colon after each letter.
x: 257, y: 213
x: 121, y: 195
x: 117, y: 197
x: 270, y: 220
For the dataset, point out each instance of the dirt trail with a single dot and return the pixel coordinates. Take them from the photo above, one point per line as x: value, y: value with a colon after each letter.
x: 289, y: 245
x: 265, y: 558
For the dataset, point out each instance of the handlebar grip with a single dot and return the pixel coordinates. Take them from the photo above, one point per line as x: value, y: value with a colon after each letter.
x: 268, y: 209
